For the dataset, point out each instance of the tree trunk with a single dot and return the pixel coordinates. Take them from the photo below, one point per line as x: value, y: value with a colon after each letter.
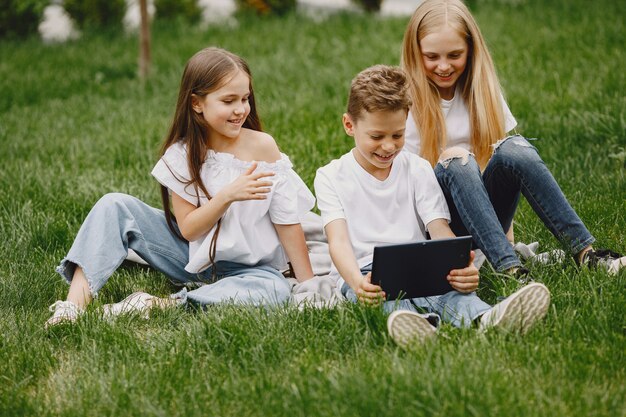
x: 144, y: 41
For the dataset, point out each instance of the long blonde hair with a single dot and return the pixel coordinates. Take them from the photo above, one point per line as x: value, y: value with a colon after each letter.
x: 479, y: 83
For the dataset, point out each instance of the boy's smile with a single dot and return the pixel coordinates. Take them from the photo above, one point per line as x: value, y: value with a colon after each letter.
x: 378, y: 137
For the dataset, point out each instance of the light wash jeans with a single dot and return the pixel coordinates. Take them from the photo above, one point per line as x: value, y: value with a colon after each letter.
x: 483, y: 206
x: 119, y: 222
x: 453, y: 307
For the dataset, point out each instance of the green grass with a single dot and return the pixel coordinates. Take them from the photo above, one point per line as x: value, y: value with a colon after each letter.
x: 75, y: 123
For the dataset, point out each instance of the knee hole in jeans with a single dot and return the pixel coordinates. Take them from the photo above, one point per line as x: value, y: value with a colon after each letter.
x: 453, y: 153
x: 516, y: 149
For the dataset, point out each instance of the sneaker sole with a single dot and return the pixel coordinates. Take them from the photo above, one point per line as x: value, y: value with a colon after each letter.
x: 407, y: 327
x: 527, y: 308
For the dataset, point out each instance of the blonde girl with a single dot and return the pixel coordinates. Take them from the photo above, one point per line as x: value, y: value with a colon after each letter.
x: 237, y: 205
x: 459, y: 122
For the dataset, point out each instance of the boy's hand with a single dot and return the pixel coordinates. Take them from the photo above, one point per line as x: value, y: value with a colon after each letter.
x: 369, y: 293
x: 249, y: 186
x: 465, y: 280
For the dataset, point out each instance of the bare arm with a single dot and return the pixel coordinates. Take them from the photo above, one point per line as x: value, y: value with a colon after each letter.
x: 291, y: 236
x: 439, y: 229
x: 342, y: 254
x: 463, y: 280
x: 194, y: 221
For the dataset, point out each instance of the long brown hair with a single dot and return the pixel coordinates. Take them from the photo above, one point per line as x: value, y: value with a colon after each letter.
x: 479, y: 83
x: 205, y: 72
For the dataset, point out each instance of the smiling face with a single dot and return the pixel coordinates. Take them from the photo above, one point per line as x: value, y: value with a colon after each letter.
x: 378, y: 138
x: 444, y: 55
x: 225, y: 109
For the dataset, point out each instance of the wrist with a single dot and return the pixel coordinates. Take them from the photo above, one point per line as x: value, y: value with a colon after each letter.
x: 223, y: 198
x: 355, y: 282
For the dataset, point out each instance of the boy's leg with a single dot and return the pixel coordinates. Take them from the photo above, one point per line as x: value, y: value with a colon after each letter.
x: 517, y: 167
x: 116, y: 223
x: 472, y: 212
x: 456, y: 308
x: 405, y: 325
x: 241, y: 284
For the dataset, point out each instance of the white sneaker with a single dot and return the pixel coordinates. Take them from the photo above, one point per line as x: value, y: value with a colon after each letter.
x: 139, y: 302
x: 611, y: 262
x: 616, y: 265
x: 519, y: 311
x: 63, y: 312
x: 407, y: 327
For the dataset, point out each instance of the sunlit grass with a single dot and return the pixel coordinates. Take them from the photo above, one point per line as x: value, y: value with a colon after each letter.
x: 75, y: 123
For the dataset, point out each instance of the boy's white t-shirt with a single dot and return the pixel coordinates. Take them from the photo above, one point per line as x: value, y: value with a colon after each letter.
x: 247, y: 234
x: 395, y: 210
x: 457, y: 119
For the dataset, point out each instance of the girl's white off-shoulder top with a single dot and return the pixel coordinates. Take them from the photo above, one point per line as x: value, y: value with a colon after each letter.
x: 247, y: 235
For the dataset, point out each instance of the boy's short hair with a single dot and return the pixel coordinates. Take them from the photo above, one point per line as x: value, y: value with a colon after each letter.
x: 378, y: 88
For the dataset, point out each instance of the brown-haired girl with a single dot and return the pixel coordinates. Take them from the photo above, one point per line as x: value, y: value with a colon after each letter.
x: 236, y: 201
x: 459, y: 123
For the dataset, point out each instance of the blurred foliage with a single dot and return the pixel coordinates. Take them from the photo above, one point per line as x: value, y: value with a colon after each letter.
x: 265, y: 7
x: 369, y: 5
x: 170, y: 9
x: 20, y: 18
x: 96, y: 13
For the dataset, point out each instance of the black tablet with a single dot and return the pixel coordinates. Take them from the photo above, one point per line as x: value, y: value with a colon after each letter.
x: 419, y: 269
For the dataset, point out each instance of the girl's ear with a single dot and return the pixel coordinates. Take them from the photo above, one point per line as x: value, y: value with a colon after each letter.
x: 348, y: 124
x: 196, y: 104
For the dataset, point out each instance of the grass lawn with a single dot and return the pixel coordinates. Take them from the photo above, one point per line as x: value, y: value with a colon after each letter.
x: 75, y: 123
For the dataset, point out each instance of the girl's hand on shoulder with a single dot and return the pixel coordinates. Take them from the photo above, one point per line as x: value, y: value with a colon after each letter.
x: 249, y: 186
x: 368, y: 293
x: 465, y: 280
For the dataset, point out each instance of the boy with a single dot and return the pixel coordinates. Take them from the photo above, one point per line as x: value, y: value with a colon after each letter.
x: 376, y: 194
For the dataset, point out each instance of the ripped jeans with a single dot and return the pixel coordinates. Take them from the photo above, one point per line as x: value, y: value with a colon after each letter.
x: 483, y: 205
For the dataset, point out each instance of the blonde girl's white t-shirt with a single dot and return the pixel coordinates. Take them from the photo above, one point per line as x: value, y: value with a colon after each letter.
x: 247, y: 234
x: 457, y: 120
x: 395, y: 210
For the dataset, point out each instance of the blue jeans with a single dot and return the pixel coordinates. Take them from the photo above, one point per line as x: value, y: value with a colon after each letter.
x: 453, y: 307
x: 119, y: 222
x: 483, y: 206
